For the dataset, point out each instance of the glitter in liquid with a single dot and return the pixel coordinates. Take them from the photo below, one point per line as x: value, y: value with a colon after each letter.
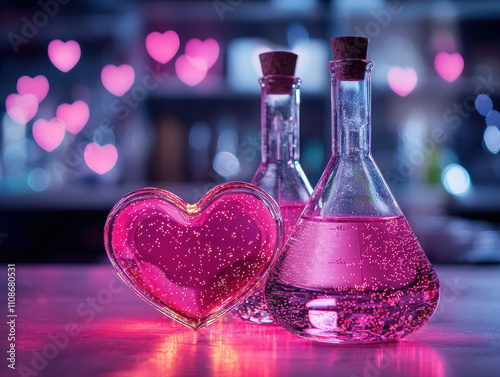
x: 352, y: 280
x: 193, y: 264
x: 254, y: 308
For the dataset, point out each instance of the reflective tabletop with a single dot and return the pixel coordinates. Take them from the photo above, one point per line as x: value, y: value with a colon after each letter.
x: 83, y: 321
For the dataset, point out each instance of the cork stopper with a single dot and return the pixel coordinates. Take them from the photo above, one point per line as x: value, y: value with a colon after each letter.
x: 349, y: 48
x: 281, y: 63
x: 278, y: 63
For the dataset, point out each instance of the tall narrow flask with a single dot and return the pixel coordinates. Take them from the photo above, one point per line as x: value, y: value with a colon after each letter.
x: 352, y: 270
x: 279, y: 172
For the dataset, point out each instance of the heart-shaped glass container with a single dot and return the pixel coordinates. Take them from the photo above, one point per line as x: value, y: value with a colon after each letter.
x: 194, y: 262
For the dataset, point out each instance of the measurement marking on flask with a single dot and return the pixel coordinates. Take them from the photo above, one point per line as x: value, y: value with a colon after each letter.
x: 344, y: 227
x: 339, y: 261
x: 347, y: 261
x: 333, y: 255
x: 360, y: 256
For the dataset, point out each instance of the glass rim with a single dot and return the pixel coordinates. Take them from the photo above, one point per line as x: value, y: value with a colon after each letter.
x: 295, y: 79
x: 343, y: 62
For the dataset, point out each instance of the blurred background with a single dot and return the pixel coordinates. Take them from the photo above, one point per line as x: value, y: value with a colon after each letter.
x: 181, y: 110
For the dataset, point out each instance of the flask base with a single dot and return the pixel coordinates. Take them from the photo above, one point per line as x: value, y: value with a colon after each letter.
x: 254, y: 309
x: 353, y: 315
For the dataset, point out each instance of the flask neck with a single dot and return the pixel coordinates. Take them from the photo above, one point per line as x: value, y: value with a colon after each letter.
x: 351, y: 107
x: 280, y: 118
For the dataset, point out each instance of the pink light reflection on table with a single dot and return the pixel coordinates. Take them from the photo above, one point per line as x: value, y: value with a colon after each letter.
x: 120, y: 336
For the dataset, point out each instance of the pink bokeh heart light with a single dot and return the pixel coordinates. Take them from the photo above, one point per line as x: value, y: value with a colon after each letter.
x: 48, y: 134
x: 64, y: 55
x: 191, y: 70
x: 74, y: 116
x: 118, y: 79
x: 162, y: 47
x: 208, y: 50
x: 21, y: 107
x: 100, y: 159
x: 449, y: 66
x: 38, y: 86
x: 402, y: 80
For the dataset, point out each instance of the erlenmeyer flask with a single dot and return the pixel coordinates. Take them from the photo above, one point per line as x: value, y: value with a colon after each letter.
x: 352, y: 270
x: 279, y: 172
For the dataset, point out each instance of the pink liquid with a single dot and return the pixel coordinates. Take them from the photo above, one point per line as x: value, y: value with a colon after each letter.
x: 352, y: 280
x: 193, y: 266
x: 291, y: 215
x: 254, y: 308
